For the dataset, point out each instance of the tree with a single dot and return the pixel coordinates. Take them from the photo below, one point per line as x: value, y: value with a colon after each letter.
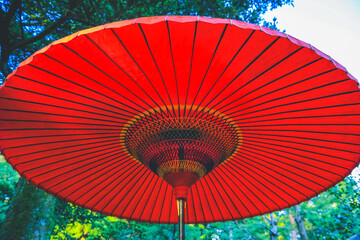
x: 8, y: 179
x: 28, y: 25
x: 26, y: 218
x: 300, y: 223
x: 334, y: 214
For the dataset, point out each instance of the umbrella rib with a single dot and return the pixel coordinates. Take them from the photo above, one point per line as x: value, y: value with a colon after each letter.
x: 143, y: 210
x: 62, y: 141
x: 193, y: 203
x: 285, y: 163
x: 304, y: 124
x: 87, y: 154
x: 191, y: 64
x: 112, y: 167
x: 87, y: 144
x: 186, y: 215
x: 268, y: 69
x: 174, y: 68
x: 271, y: 176
x: 100, y: 70
x: 56, y: 128
x: 207, y: 70
x: 232, y: 202
x: 290, y: 95
x: 302, y: 131
x: 268, y: 188
x: 306, y: 144
x: 227, y: 66
x: 285, y: 75
x: 296, y: 111
x: 128, y: 75
x: 261, y: 176
x: 304, y: 138
x: 104, y: 95
x: 116, y: 153
x: 287, y: 170
x: 147, y: 78
x: 129, y: 164
x: 128, y: 192
x: 62, y: 107
x: 286, y: 96
x: 171, y: 204
x: 63, y: 115
x: 311, y: 117
x: 42, y: 94
x: 207, y: 200
x: 157, y: 67
x: 140, y: 199
x: 83, y: 185
x: 162, y: 204
x: 67, y: 159
x: 261, y: 148
x: 118, y: 191
x: 219, y: 176
x: 237, y: 76
x: 57, y: 135
x: 157, y: 195
x: 302, y: 101
x: 299, y: 149
x: 282, y: 88
x: 201, y: 205
x: 220, y: 169
x: 213, y: 196
x: 256, y: 195
x: 84, y: 75
x: 43, y: 121
x: 102, y: 151
x: 302, y: 117
x: 135, y: 166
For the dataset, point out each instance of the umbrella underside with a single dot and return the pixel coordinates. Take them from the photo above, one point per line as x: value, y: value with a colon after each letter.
x: 256, y: 119
x: 181, y: 150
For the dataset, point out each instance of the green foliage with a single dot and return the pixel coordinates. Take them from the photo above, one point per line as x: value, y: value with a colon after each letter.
x: 28, y: 26
x: 8, y: 179
x: 334, y: 214
x: 26, y: 218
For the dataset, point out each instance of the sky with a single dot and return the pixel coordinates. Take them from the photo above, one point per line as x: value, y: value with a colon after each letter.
x: 332, y: 26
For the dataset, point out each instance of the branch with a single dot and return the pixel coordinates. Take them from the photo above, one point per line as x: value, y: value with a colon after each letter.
x: 49, y: 29
x: 21, y: 23
x: 12, y: 10
x: 82, y: 21
x: 4, y: 68
x: 267, y: 220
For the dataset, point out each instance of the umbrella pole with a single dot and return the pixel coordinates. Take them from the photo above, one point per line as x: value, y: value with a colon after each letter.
x: 181, y: 213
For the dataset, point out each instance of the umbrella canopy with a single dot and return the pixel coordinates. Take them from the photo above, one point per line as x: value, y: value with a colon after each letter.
x: 125, y: 118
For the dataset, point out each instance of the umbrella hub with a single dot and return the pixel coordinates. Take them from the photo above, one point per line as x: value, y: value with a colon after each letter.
x: 181, y: 150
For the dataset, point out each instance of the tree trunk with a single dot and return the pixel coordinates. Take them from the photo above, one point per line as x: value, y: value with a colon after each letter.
x: 273, y: 231
x: 300, y: 223
x: 30, y: 214
x: 273, y: 226
x: 293, y: 227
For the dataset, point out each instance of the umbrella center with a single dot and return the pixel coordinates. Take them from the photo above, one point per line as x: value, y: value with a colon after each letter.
x: 181, y: 150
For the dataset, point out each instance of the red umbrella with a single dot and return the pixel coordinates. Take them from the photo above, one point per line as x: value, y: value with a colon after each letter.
x: 236, y: 119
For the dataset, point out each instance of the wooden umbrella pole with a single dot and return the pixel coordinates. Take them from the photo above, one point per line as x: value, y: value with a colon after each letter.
x: 181, y: 213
